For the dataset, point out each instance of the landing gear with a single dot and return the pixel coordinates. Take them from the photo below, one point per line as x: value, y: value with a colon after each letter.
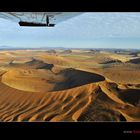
x: 47, y: 22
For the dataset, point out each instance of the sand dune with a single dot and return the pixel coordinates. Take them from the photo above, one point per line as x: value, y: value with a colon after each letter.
x: 23, y: 106
x: 46, y: 80
x: 123, y: 74
x: 58, y: 60
x: 85, y: 103
x: 37, y: 86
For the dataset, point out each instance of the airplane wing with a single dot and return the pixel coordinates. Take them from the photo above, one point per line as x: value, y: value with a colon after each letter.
x: 49, y: 19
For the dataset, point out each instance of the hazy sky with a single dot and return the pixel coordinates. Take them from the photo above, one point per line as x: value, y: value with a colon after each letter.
x: 94, y: 30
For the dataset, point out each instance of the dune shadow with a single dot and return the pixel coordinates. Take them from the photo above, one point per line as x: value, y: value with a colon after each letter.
x: 75, y: 78
x: 111, y: 62
x: 39, y: 64
x: 122, y: 118
x: 47, y: 66
x: 131, y: 96
x: 134, y: 61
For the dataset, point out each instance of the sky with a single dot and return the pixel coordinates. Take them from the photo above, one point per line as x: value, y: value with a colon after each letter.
x: 88, y: 30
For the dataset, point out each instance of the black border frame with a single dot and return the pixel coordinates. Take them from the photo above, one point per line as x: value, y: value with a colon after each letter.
x: 83, y: 129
